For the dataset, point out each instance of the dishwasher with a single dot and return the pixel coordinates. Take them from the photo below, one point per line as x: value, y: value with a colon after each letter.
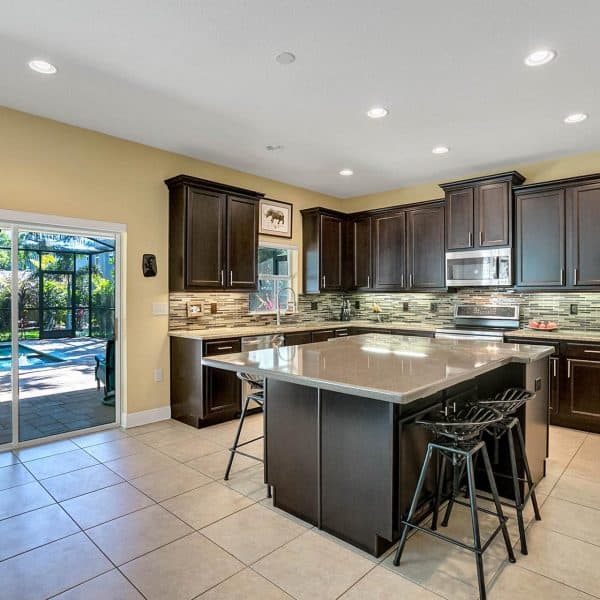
x: 258, y: 342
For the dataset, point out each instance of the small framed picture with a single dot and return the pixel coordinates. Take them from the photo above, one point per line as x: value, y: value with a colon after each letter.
x: 275, y: 218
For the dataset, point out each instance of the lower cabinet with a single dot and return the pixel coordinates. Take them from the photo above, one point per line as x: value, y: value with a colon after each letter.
x: 323, y: 335
x: 298, y: 338
x: 581, y: 391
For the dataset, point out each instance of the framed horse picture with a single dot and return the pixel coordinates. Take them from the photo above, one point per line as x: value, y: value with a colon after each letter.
x: 275, y: 218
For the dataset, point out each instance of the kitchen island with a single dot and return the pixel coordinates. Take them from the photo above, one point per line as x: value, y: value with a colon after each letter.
x: 342, y: 449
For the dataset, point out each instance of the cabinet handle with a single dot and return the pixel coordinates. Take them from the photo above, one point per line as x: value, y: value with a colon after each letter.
x: 554, y: 362
x: 341, y: 334
x: 592, y: 351
x: 224, y: 347
x: 569, y: 369
x: 481, y: 238
x: 402, y: 280
x: 410, y: 280
x: 470, y: 239
x: 562, y: 277
x: 323, y: 281
x: 368, y: 281
x: 222, y: 277
x: 230, y: 277
x: 574, y: 276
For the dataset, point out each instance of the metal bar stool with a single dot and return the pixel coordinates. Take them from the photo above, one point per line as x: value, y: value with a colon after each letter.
x: 507, y: 403
x: 458, y: 441
x: 257, y: 394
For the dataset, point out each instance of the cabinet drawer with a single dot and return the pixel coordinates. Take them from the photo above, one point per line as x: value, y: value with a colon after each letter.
x: 322, y: 336
x: 342, y: 332
x: 224, y: 346
x: 534, y: 342
x: 584, y: 351
x: 297, y: 339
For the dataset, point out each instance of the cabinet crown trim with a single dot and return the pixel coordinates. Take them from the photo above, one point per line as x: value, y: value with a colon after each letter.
x: 181, y: 180
x: 513, y: 177
x: 557, y: 183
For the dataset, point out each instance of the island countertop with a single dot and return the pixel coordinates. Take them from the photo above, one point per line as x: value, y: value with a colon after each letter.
x: 398, y: 369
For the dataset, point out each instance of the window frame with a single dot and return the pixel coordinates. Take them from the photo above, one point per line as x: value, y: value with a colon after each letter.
x: 292, y: 278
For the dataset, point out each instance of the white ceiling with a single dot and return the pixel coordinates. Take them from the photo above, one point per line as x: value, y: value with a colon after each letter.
x: 199, y: 77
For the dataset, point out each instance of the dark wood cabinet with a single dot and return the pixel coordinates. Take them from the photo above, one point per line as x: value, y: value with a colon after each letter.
x: 583, y: 203
x: 322, y: 335
x: 581, y: 405
x: 460, y: 211
x: 362, y: 267
x: 389, y: 253
x: 298, y: 338
x: 213, y: 236
x: 540, y: 249
x: 425, y: 248
x: 222, y: 389
x: 554, y: 391
x: 323, y: 250
x: 479, y: 211
x: 557, y: 243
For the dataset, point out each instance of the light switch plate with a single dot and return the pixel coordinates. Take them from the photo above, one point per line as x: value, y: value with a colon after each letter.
x: 158, y: 375
x: 160, y: 308
x: 194, y: 309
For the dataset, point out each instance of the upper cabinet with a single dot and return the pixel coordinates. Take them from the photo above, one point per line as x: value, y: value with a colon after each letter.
x: 323, y: 250
x: 213, y: 236
x: 479, y: 211
x: 425, y: 247
x: 557, y: 243
x: 389, y: 250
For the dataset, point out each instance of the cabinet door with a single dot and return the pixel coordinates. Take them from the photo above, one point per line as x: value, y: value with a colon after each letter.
x: 298, y: 338
x: 584, y: 205
x: 389, y: 250
x: 322, y: 336
x: 362, y: 277
x: 540, y: 239
x: 222, y: 389
x: 242, y: 243
x: 460, y: 207
x: 425, y: 255
x: 331, y: 253
x: 205, y: 244
x: 493, y: 215
x: 583, y: 397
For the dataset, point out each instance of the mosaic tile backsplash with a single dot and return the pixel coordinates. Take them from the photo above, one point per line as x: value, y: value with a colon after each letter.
x: 436, y: 308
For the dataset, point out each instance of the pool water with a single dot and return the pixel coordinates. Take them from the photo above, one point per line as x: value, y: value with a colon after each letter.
x: 28, y: 358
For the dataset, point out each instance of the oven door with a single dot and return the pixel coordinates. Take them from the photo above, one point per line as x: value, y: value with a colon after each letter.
x: 479, y: 268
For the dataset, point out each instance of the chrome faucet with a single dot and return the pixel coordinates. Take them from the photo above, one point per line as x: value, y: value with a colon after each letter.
x: 279, y: 305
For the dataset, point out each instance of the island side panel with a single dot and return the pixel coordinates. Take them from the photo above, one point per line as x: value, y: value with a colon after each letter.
x: 292, y: 448
x: 358, y: 455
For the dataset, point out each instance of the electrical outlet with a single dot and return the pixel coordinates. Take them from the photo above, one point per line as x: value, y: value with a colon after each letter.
x: 314, y: 306
x: 213, y: 308
x: 160, y: 308
x: 574, y: 309
x: 405, y: 306
x: 158, y: 375
x: 357, y: 304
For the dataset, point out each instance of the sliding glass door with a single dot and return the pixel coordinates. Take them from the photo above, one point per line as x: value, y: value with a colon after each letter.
x: 58, y: 348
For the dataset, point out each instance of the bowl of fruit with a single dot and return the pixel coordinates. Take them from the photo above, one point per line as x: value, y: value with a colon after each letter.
x: 542, y: 324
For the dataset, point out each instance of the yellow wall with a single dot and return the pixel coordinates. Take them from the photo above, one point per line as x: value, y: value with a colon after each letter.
x: 52, y: 168
x: 570, y: 166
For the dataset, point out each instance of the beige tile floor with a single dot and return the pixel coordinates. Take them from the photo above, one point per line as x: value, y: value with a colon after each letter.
x: 144, y: 513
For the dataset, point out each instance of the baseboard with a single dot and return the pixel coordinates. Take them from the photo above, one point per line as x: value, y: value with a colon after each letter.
x: 145, y: 416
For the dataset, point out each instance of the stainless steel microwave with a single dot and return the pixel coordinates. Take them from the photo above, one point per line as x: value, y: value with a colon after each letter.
x: 492, y: 267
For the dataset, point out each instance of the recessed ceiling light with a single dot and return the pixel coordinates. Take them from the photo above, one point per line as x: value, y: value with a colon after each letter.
x: 441, y: 150
x: 346, y: 172
x: 540, y: 57
x: 285, y: 58
x: 274, y: 148
x: 575, y: 118
x: 42, y: 66
x: 377, y: 112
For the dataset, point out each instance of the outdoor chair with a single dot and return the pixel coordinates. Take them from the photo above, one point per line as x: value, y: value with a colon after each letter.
x: 105, y: 373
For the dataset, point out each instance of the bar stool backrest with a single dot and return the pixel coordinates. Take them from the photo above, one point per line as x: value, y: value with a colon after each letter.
x: 508, y: 401
x: 255, y: 382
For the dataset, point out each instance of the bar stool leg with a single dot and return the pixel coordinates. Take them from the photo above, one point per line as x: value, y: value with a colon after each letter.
x: 475, y: 524
x: 413, y: 505
x: 438, y: 496
x: 494, y: 489
x: 457, y: 475
x: 517, y: 492
x: 233, y: 449
x: 521, y: 441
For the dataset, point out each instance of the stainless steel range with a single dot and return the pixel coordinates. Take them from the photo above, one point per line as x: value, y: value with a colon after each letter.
x: 485, y: 322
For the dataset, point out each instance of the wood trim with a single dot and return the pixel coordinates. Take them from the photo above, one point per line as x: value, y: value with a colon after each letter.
x: 213, y: 186
x: 513, y: 177
x: 558, y: 183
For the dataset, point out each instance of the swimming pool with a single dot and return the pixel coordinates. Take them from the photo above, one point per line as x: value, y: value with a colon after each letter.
x: 28, y: 358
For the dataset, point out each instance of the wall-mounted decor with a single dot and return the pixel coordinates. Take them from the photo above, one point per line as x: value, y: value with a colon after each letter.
x: 275, y: 218
x: 149, y: 266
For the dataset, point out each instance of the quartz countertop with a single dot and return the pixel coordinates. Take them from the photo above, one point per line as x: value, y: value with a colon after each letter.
x: 396, y: 368
x: 576, y: 335
x: 245, y: 331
